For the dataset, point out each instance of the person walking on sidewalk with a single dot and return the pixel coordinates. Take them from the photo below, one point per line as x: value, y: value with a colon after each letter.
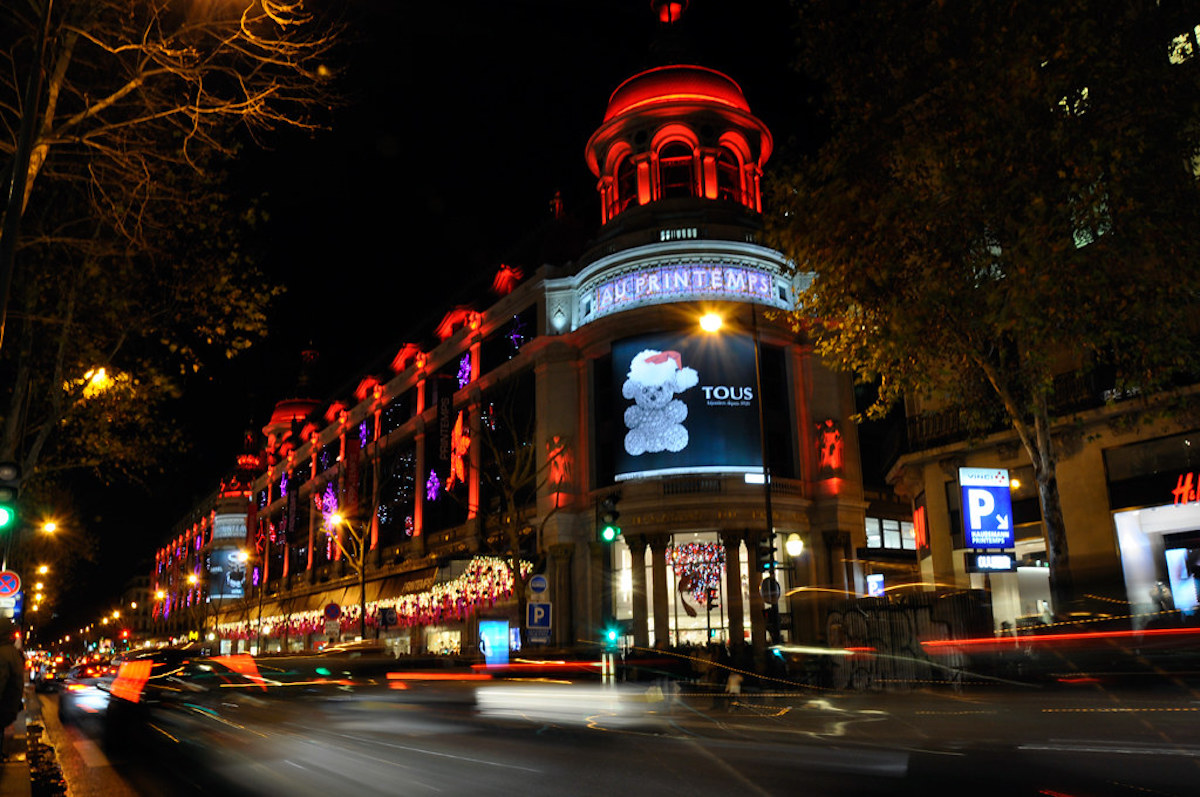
x: 12, y: 677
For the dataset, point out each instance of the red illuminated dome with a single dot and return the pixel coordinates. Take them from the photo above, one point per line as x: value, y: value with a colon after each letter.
x: 679, y: 132
x: 670, y: 85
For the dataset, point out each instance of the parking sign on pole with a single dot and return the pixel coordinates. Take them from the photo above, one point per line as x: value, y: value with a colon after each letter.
x: 987, y: 515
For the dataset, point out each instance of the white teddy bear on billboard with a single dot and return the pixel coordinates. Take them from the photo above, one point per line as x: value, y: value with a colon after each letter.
x: 656, y: 418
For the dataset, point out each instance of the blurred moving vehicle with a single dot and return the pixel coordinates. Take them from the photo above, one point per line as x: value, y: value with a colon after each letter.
x: 50, y: 675
x: 84, y: 690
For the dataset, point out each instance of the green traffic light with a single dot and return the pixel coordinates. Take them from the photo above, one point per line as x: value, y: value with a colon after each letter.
x: 609, y: 533
x: 7, y: 516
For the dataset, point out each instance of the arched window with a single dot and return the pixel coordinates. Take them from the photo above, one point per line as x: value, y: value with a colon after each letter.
x: 626, y: 185
x: 675, y: 171
x: 729, y: 176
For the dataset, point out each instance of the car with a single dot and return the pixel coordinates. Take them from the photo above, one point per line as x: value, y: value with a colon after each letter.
x: 49, y: 676
x: 84, y: 690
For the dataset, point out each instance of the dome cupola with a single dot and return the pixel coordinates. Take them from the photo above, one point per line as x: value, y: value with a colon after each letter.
x: 678, y: 131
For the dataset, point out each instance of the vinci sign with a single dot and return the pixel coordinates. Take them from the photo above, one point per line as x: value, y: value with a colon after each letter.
x: 986, y: 507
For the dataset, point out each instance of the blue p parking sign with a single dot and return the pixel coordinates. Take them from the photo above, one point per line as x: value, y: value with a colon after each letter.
x: 986, y: 507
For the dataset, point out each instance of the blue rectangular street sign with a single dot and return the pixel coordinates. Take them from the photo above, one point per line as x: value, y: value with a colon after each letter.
x: 986, y: 507
x: 539, y: 615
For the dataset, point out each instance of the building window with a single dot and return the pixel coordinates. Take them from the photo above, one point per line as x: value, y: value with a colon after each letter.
x: 675, y: 170
x: 729, y: 176
x: 626, y: 185
x: 892, y: 535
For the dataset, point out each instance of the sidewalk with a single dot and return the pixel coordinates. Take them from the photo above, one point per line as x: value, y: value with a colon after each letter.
x: 14, y: 778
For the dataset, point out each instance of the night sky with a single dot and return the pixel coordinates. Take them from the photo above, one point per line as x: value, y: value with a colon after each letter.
x: 465, y: 119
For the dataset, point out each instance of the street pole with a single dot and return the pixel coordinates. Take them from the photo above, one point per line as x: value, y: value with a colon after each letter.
x: 758, y: 637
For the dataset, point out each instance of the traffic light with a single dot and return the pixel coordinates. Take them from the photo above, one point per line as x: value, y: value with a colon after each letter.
x: 10, y: 478
x: 765, y: 551
x: 612, y: 635
x: 607, y: 527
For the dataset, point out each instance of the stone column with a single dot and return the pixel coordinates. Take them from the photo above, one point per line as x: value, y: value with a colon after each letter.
x: 735, y: 610
x: 758, y: 625
x: 560, y: 594
x: 637, y: 556
x: 658, y: 575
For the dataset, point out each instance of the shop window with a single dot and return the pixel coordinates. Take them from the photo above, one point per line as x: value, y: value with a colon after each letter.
x: 509, y: 417
x: 675, y: 171
x: 329, y: 455
x: 506, y: 341
x: 890, y: 534
x: 396, y: 413
x: 776, y: 411
x: 397, y: 495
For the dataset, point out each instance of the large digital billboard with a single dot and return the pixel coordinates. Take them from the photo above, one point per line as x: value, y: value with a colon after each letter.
x: 227, y: 573
x: 688, y: 404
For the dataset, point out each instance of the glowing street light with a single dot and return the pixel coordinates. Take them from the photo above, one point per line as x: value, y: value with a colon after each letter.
x: 43, y: 570
x: 49, y: 527
x: 711, y: 322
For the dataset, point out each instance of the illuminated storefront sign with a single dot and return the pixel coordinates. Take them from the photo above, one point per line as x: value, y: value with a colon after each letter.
x: 991, y: 563
x: 687, y: 404
x: 672, y: 283
x: 229, y: 527
x: 1185, y: 488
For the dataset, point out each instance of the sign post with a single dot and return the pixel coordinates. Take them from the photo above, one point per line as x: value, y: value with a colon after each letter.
x: 538, y: 623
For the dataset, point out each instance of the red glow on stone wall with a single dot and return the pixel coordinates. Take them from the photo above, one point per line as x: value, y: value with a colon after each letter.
x: 670, y: 11
x: 409, y: 353
x: 334, y: 411
x: 455, y: 320
x: 506, y: 279
x: 367, y: 387
x: 829, y: 448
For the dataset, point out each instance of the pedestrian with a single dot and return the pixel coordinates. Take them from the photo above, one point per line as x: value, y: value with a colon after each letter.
x: 12, y: 677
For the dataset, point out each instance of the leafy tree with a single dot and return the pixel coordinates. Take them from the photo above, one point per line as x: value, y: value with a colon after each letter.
x: 130, y: 256
x: 1005, y: 187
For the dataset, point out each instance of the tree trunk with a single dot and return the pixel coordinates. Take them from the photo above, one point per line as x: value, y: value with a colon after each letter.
x: 362, y: 598
x: 1039, y: 445
x: 1045, y: 471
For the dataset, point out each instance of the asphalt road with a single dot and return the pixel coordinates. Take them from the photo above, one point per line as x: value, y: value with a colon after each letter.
x: 566, y: 740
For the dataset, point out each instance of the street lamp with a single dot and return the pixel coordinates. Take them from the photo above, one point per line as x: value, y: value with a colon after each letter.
x: 712, y: 323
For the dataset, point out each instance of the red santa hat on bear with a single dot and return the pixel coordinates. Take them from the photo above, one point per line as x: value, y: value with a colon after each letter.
x: 651, y: 367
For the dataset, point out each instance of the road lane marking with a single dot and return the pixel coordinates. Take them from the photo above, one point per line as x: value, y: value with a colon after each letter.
x: 91, y: 754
